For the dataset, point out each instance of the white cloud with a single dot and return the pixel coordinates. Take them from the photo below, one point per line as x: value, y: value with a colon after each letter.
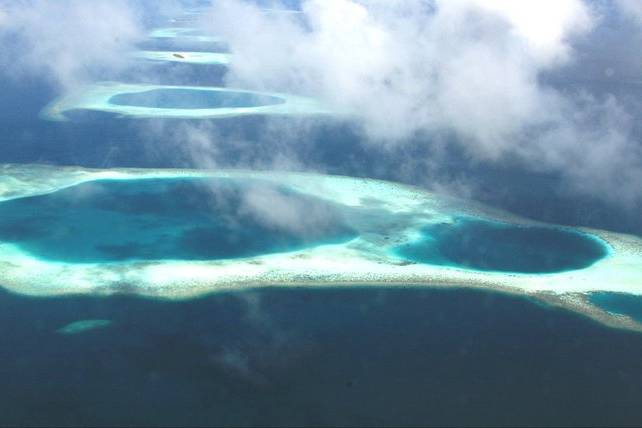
x: 631, y: 8
x: 66, y: 39
x: 283, y: 212
x: 406, y: 65
x: 470, y: 68
x: 544, y: 24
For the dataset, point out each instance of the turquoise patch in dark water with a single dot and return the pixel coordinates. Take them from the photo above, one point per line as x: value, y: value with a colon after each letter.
x: 177, y: 98
x: 619, y: 303
x: 493, y: 246
x: 183, y: 219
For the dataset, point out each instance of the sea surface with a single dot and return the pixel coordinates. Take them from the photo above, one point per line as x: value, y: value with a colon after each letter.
x: 398, y: 356
x: 367, y: 356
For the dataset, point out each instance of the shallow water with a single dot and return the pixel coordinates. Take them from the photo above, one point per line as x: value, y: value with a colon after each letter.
x: 619, y: 303
x: 193, y: 99
x: 316, y: 357
x: 493, y: 246
x: 186, y: 219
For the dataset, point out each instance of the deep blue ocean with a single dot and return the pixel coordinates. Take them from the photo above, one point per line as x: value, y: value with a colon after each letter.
x: 315, y: 357
x: 369, y: 356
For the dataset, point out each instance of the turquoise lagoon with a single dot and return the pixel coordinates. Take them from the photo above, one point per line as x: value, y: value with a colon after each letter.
x: 156, y: 219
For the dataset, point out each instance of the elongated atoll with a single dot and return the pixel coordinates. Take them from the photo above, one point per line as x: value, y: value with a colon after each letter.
x: 187, y: 102
x: 385, y: 216
x: 184, y: 33
x: 206, y: 58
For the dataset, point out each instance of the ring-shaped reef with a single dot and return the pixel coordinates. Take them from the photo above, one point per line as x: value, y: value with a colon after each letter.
x: 75, y: 230
x: 186, y: 57
x: 188, y: 102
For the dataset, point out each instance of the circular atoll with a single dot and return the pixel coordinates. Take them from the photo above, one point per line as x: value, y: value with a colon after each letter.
x: 164, y: 101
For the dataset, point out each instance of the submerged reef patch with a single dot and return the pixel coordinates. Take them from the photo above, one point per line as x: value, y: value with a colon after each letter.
x: 83, y: 326
x: 188, y: 102
x: 355, y: 229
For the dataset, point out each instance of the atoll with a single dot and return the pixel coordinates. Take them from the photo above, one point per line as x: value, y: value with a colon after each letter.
x: 104, y: 97
x: 385, y: 215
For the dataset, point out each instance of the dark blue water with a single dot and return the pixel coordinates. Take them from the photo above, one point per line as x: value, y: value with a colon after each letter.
x: 494, y: 246
x: 296, y: 357
x: 186, y: 219
x: 193, y: 99
x: 619, y: 303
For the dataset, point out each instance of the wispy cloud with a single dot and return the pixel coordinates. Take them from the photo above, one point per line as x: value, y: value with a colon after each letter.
x: 66, y: 41
x: 470, y: 68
